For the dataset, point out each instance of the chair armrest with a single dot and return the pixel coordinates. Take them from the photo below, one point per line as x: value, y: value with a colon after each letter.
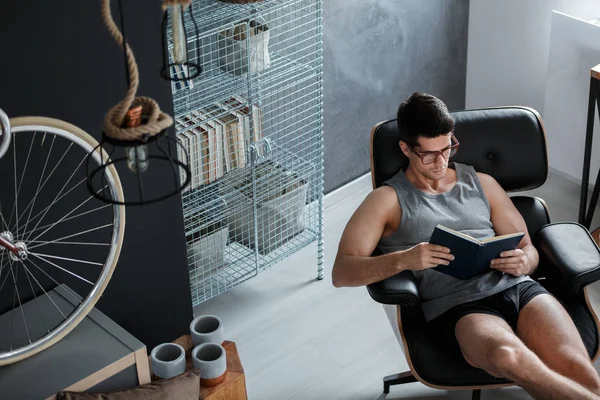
x: 398, y: 289
x: 569, y: 254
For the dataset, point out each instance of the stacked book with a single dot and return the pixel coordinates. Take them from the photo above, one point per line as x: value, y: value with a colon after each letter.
x: 216, y: 138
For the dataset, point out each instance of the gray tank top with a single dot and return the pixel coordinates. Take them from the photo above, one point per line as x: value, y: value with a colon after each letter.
x: 464, y: 208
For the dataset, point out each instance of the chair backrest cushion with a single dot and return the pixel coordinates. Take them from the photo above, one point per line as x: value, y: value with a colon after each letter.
x: 507, y: 143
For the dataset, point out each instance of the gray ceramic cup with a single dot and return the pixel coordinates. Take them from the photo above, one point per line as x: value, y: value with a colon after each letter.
x: 168, y: 360
x: 211, y: 360
x: 206, y: 329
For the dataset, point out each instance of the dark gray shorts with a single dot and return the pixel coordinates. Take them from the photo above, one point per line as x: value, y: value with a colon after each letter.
x: 505, y: 304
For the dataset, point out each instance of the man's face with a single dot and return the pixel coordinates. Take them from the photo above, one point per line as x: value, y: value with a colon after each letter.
x: 437, y: 169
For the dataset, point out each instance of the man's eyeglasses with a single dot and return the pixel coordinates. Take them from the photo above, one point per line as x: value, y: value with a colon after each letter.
x: 430, y: 157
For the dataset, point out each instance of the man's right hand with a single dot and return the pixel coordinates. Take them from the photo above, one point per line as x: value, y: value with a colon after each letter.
x: 426, y: 255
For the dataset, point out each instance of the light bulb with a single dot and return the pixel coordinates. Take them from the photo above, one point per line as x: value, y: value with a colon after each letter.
x: 137, y: 157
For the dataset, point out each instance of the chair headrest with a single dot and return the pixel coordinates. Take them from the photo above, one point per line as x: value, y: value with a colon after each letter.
x: 507, y: 143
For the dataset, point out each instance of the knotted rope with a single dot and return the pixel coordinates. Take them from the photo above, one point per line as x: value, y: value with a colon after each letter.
x: 115, y: 118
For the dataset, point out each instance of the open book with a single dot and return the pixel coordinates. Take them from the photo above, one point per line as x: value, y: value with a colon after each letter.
x: 471, y: 256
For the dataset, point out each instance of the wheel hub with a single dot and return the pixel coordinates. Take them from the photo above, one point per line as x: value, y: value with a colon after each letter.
x: 16, y: 251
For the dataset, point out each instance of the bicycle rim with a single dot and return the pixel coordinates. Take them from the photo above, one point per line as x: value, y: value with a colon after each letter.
x: 51, y: 277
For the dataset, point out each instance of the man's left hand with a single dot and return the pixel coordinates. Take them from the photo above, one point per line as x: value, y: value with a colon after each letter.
x: 514, y: 262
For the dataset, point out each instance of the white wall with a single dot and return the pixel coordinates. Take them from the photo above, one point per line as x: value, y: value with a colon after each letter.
x: 574, y: 48
x: 508, y: 49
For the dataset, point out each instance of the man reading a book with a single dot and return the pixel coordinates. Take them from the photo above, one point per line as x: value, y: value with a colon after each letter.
x: 496, y: 317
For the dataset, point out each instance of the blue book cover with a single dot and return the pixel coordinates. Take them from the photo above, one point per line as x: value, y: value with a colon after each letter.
x: 471, y: 256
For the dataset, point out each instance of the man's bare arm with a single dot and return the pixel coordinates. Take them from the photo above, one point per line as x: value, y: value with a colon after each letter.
x: 507, y: 219
x: 354, y: 265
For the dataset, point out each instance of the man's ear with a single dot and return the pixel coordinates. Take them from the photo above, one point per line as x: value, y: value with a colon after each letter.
x: 403, y: 147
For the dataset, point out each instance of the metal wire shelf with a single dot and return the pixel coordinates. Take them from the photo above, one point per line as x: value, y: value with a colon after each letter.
x: 252, y: 125
x: 211, y: 14
x: 217, y: 85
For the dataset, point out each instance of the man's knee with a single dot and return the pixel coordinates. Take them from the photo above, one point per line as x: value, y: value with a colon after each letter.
x: 500, y: 361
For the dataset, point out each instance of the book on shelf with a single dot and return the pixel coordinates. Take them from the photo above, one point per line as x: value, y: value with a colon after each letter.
x: 215, y: 145
x: 193, y: 136
x: 216, y: 132
x: 471, y: 256
x: 229, y: 126
x: 216, y: 138
x: 232, y: 135
x: 204, y: 156
x: 251, y: 114
x: 240, y: 143
x: 197, y: 133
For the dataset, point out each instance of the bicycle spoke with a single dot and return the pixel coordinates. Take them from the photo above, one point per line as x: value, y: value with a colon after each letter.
x: 1, y: 265
x: 62, y: 269
x: 57, y: 164
x: 56, y: 201
x: 66, y: 215
x: 55, y: 198
x: 12, y: 314
x: 36, y: 298
x: 20, y: 305
x: 6, y: 276
x: 67, y: 289
x: 67, y: 219
x: 52, y: 172
x: 65, y: 258
x: 2, y: 218
x: 43, y: 243
x: 26, y: 163
x: 37, y: 191
x: 70, y: 236
x: 16, y: 205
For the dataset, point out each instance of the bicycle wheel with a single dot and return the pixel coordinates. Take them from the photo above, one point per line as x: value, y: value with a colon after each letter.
x: 58, y: 244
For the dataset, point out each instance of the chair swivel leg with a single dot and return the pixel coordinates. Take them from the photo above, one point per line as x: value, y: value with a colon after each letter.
x: 397, y: 379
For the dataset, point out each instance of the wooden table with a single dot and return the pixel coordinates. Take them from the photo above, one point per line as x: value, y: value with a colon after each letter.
x: 234, y: 386
x: 585, y: 216
x: 596, y: 236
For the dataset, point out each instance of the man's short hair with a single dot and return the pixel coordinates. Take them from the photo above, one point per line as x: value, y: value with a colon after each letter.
x: 423, y: 115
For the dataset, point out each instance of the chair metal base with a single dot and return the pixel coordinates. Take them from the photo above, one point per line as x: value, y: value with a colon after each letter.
x: 397, y: 379
x: 408, y: 377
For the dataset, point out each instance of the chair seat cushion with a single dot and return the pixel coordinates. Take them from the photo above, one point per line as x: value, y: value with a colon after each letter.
x: 441, y: 363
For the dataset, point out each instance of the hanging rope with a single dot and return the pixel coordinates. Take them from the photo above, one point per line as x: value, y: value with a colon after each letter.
x: 115, y: 118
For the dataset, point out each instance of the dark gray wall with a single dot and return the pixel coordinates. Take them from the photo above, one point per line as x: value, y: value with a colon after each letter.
x: 58, y: 60
x: 376, y: 53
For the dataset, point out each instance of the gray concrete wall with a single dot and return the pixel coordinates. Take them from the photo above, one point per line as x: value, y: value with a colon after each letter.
x: 376, y: 53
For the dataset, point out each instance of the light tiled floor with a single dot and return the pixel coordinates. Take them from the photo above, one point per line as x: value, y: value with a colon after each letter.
x: 303, y: 339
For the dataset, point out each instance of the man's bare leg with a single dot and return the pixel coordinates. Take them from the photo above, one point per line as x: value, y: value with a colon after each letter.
x: 548, y: 330
x: 487, y: 342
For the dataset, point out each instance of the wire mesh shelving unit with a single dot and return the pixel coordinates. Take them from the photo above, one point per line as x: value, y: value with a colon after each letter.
x: 252, y: 125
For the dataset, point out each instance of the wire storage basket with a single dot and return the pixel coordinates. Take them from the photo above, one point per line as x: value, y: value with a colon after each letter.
x: 251, y: 123
x: 240, y: 1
